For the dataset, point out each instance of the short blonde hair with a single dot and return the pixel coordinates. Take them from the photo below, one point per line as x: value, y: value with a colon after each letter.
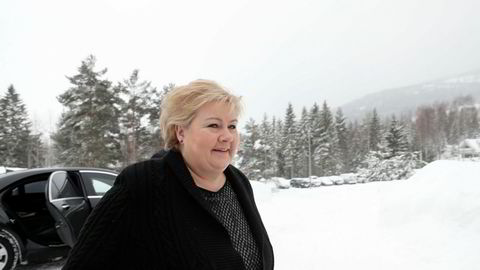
x: 179, y: 106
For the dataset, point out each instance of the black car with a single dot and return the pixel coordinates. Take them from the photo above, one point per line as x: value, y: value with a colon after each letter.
x: 43, y: 210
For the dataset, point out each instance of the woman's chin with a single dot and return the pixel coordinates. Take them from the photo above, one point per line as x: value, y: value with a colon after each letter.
x: 220, y: 165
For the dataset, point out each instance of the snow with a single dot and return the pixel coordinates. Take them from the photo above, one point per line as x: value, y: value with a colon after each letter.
x: 281, y: 182
x: 430, y: 221
x: 464, y: 79
x: 473, y: 144
x: 257, y: 145
x: 4, y: 169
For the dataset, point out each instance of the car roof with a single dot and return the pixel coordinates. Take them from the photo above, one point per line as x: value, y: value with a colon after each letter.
x: 10, y: 177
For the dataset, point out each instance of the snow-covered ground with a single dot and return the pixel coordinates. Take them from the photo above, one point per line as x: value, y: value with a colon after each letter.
x: 430, y: 221
x: 4, y: 169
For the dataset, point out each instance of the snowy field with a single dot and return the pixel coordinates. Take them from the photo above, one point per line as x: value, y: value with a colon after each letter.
x: 431, y: 221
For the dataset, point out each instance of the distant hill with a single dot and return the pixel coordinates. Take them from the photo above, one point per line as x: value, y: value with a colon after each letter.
x: 406, y: 99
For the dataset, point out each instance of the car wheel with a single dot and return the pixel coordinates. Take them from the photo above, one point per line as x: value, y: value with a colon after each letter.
x: 9, y: 252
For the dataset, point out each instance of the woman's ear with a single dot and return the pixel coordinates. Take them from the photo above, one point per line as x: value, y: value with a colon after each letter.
x: 180, y: 132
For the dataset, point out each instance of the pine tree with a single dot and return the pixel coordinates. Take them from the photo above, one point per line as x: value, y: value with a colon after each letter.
x: 375, y: 132
x: 156, y: 140
x: 3, y: 130
x: 358, y: 142
x: 141, y: 100
x: 305, y: 138
x: 290, y: 142
x: 315, y: 124
x: 251, y: 159
x: 394, y: 168
x: 88, y: 131
x: 277, y: 151
x: 266, y: 148
x: 17, y: 143
x: 326, y: 152
x: 342, y: 135
x: 396, y: 139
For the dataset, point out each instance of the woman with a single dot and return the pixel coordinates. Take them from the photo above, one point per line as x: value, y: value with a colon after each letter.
x: 188, y: 209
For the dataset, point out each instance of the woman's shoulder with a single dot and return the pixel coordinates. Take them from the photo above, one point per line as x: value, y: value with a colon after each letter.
x: 142, y: 168
x: 141, y: 173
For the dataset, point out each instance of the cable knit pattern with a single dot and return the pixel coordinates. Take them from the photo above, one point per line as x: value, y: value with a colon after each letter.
x: 154, y: 217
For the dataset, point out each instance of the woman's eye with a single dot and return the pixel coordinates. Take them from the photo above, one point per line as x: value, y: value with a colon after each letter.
x: 232, y: 127
x: 213, y: 125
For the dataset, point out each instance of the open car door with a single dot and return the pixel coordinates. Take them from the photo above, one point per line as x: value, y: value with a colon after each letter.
x: 67, y: 205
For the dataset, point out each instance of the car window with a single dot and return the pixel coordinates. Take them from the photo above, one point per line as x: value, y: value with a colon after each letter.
x: 100, y: 187
x: 29, y: 188
x: 62, y: 188
x: 35, y: 187
x: 26, y: 197
x: 97, y: 183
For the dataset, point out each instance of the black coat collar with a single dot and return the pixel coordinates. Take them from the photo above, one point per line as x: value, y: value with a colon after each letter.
x: 177, y: 164
x: 245, y: 197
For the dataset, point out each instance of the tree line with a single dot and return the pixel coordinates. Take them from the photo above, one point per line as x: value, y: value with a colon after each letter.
x: 113, y: 124
x: 323, y: 143
x: 104, y: 124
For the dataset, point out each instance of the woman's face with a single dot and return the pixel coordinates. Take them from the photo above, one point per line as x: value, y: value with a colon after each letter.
x: 211, y: 140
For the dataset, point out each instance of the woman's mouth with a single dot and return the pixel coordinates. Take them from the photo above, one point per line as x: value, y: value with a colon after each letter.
x: 223, y: 150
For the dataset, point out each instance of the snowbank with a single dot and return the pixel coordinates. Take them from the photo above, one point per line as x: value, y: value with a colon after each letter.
x: 263, y: 191
x: 9, y: 169
x: 431, y: 221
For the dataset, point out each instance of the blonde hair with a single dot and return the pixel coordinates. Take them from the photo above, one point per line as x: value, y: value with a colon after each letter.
x: 179, y: 107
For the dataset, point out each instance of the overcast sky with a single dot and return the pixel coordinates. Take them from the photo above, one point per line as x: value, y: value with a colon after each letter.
x: 269, y: 52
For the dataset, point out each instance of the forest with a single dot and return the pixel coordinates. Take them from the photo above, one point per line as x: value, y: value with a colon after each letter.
x: 113, y: 124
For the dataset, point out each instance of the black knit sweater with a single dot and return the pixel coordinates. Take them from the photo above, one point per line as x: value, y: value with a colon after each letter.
x: 226, y: 207
x: 154, y: 217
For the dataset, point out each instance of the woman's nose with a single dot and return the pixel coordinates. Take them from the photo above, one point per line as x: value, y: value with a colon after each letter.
x: 226, y: 135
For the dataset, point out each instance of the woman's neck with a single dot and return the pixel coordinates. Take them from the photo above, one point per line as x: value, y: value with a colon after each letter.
x: 211, y: 182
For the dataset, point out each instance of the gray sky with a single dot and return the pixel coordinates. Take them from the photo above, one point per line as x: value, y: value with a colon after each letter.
x: 270, y: 52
